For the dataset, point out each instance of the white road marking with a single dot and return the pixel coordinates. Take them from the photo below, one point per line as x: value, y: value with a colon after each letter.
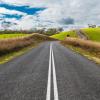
x: 54, y: 78
x: 49, y: 77
x: 52, y: 64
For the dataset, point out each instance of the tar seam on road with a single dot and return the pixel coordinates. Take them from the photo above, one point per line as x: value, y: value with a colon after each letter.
x: 52, y: 64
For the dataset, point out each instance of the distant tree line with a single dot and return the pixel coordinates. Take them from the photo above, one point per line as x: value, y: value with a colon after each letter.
x: 15, y: 32
x: 44, y: 31
x: 50, y: 31
x: 92, y: 25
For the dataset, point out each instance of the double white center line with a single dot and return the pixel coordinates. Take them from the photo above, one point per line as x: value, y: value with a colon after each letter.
x: 52, y: 65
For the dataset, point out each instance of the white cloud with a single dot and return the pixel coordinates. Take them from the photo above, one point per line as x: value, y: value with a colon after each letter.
x: 7, y: 11
x: 27, y: 22
x: 82, y: 12
x: 32, y: 3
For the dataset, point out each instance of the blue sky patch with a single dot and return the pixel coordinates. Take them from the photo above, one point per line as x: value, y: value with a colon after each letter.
x: 25, y: 9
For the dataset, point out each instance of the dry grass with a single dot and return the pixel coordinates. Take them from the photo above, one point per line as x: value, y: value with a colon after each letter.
x: 89, y: 49
x: 87, y: 44
x: 9, y: 45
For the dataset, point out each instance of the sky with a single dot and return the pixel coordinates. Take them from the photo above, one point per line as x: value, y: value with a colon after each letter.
x: 29, y: 14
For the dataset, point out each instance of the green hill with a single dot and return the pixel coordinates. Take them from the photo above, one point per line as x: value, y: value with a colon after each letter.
x: 63, y: 35
x: 92, y: 33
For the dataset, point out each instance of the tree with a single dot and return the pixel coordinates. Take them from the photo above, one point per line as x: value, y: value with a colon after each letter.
x: 52, y: 31
x: 91, y: 26
x: 60, y: 29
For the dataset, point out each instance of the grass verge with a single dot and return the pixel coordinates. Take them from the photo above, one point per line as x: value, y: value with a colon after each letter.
x: 87, y: 44
x: 10, y: 45
x: 14, y: 54
x: 14, y: 47
x: 89, y: 53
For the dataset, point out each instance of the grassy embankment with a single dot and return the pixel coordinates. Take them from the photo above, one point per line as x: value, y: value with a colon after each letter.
x: 89, y: 48
x: 11, y: 47
x: 85, y: 47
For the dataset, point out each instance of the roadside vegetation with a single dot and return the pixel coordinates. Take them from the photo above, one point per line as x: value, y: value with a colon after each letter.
x: 13, y: 45
x: 83, y: 43
x: 9, y: 45
x: 94, y: 56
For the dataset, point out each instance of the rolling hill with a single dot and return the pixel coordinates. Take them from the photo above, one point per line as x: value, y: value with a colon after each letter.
x: 92, y: 34
x: 63, y: 35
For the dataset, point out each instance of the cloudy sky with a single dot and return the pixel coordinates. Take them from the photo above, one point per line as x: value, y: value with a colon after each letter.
x: 27, y: 14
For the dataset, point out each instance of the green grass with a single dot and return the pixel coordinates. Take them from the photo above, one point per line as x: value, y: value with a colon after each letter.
x: 63, y: 35
x: 5, y: 36
x: 92, y: 33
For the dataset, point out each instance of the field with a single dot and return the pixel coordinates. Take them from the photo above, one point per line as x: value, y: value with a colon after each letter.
x: 6, y: 36
x: 92, y: 33
x: 63, y: 35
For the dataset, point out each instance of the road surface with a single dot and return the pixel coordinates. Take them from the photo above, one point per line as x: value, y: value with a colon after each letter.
x: 50, y: 72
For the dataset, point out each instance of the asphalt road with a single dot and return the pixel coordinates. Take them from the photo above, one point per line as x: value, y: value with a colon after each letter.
x: 50, y: 72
